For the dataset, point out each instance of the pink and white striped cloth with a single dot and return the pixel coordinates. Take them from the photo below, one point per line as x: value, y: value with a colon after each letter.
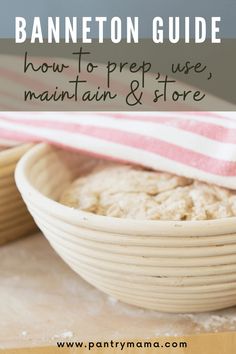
x: 192, y: 144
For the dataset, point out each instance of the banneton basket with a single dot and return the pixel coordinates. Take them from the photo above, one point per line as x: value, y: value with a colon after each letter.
x: 15, y: 220
x: 187, y: 266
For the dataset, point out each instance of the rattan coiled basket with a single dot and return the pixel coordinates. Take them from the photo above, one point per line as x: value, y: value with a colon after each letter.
x: 187, y: 266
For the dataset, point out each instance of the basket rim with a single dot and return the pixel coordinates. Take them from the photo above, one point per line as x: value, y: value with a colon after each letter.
x: 12, y: 153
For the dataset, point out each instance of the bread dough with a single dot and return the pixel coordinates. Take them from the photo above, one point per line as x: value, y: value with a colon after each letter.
x: 125, y: 191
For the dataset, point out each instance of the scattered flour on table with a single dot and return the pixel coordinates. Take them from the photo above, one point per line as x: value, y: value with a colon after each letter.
x: 111, y: 300
x: 201, y: 322
x: 65, y: 335
x: 214, y: 322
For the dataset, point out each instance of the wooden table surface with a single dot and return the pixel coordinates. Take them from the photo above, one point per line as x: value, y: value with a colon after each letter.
x: 42, y: 301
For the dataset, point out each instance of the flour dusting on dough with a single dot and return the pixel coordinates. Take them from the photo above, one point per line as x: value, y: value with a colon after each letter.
x: 124, y: 191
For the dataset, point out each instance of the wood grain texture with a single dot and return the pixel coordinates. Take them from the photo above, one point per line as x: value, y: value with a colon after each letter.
x: 222, y: 343
x: 43, y: 301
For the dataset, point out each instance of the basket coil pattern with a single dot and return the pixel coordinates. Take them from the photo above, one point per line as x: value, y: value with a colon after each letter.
x: 15, y: 221
x: 187, y: 266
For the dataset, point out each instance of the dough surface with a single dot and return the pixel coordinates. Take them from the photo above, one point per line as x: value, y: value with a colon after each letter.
x: 125, y: 191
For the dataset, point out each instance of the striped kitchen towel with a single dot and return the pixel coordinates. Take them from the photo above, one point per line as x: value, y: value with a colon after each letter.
x: 199, y: 145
